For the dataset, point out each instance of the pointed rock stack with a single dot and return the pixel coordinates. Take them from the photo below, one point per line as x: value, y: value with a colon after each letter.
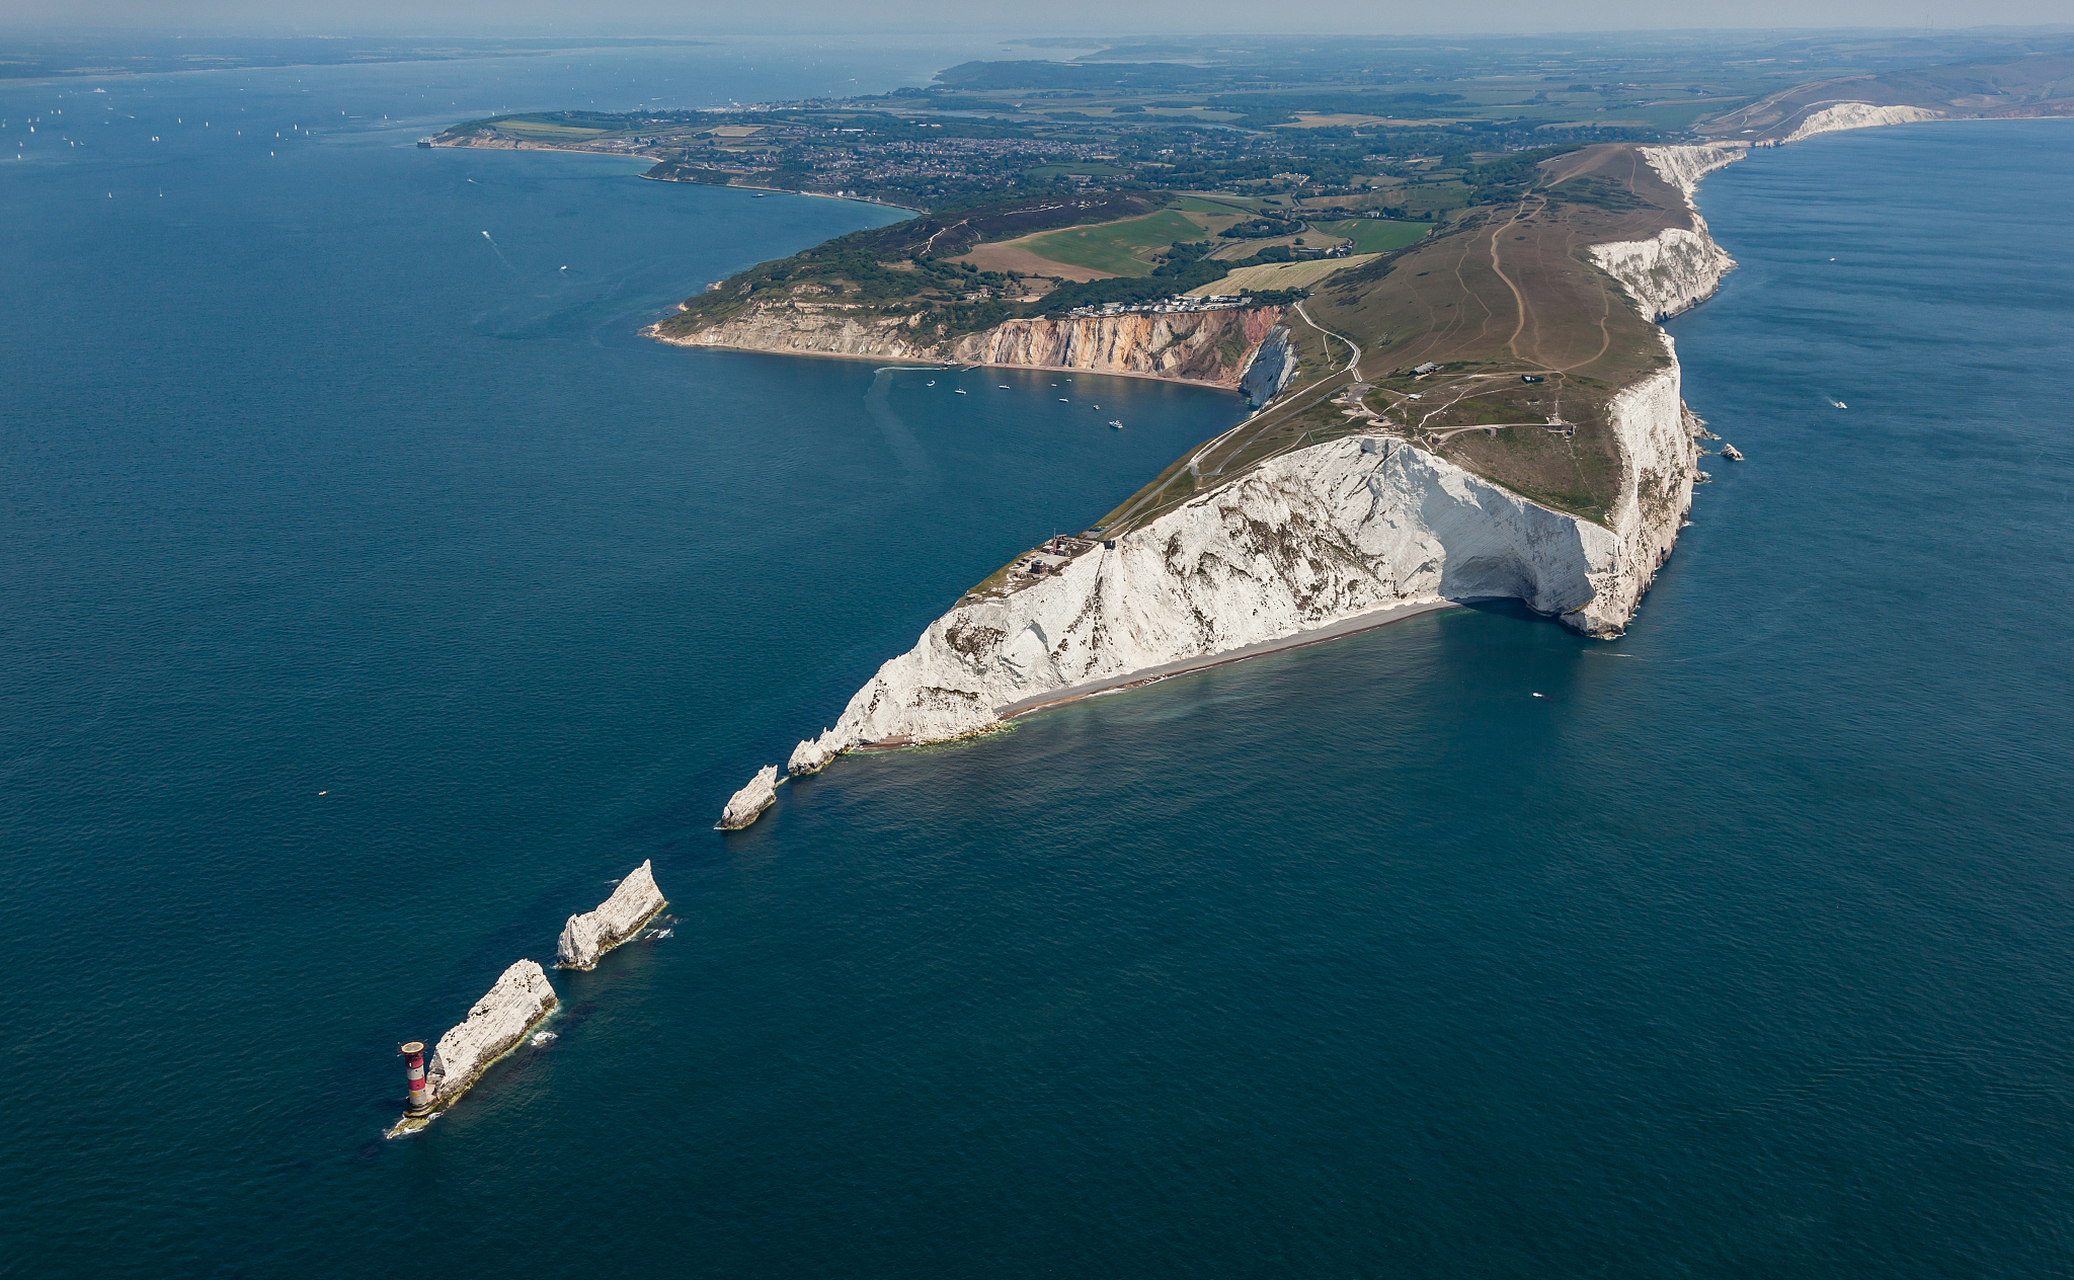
x: 750, y: 801
x: 593, y: 933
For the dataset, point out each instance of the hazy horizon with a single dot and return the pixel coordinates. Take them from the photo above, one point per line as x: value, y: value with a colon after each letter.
x: 1069, y: 18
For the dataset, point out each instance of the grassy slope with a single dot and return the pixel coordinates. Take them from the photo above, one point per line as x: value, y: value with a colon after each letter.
x: 1282, y: 275
x: 1374, y: 235
x: 1120, y: 248
x: 1451, y: 299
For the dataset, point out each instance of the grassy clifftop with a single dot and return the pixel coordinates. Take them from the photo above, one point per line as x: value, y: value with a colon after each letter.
x: 1503, y: 295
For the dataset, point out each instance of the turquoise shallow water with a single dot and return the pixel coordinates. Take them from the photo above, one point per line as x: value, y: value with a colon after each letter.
x: 1745, y: 950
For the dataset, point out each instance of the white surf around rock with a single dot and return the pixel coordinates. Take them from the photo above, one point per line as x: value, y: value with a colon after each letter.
x: 748, y: 803
x: 591, y: 934
x: 520, y: 998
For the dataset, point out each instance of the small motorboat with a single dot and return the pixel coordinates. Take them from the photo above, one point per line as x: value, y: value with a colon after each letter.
x: 1114, y: 423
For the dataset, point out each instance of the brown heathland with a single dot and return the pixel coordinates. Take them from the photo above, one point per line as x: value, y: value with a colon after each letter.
x: 1504, y: 292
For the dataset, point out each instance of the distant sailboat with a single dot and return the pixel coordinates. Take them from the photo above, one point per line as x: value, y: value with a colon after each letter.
x: 959, y: 391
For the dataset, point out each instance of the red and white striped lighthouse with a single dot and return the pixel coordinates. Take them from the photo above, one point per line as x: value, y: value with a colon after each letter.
x: 414, y: 1072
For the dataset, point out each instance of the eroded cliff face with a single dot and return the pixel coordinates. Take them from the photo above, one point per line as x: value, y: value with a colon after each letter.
x: 591, y: 934
x: 520, y: 998
x: 1272, y: 366
x: 1209, y: 347
x: 1305, y: 540
x: 1677, y: 268
x: 1858, y: 115
x: 1201, y: 346
x: 1683, y: 167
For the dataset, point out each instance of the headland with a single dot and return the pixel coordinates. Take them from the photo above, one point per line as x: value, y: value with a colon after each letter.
x: 1446, y: 324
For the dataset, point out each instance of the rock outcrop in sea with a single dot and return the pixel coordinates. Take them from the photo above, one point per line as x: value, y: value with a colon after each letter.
x: 520, y: 998
x: 743, y: 808
x: 590, y: 935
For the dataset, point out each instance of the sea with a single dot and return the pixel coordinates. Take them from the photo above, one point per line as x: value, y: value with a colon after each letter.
x: 373, y: 597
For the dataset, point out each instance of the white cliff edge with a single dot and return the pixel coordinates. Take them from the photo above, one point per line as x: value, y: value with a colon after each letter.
x: 1315, y: 538
x: 750, y: 801
x: 590, y: 935
x: 1306, y: 540
x: 520, y: 998
x: 1858, y: 115
x: 1677, y: 268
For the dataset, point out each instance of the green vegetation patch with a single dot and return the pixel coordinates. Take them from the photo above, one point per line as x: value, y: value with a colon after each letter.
x: 1377, y: 235
x: 1120, y: 248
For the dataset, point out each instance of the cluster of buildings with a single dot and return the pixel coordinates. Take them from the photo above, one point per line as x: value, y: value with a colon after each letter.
x: 1178, y: 302
x: 1048, y: 559
x: 972, y: 159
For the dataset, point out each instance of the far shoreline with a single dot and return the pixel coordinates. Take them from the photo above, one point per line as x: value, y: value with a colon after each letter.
x: 649, y: 331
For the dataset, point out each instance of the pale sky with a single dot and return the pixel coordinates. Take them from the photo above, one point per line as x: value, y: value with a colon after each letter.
x: 1053, y: 17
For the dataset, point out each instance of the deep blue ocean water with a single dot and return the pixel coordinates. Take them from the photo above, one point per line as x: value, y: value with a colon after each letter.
x: 1746, y: 950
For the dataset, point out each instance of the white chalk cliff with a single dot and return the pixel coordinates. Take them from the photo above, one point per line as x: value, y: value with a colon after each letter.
x: 1859, y: 115
x: 590, y: 935
x: 1678, y: 267
x: 1310, y: 539
x: 1212, y: 347
x: 1307, y: 539
x: 520, y: 998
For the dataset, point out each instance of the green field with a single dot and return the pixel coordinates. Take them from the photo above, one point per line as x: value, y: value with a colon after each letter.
x: 1120, y: 248
x: 547, y: 129
x: 1377, y: 235
x: 1236, y: 205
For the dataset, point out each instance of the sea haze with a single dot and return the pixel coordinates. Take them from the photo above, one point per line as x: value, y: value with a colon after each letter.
x: 374, y: 598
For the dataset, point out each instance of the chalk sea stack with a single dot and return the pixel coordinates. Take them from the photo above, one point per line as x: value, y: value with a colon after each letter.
x: 520, y: 998
x: 592, y: 933
x: 751, y: 800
